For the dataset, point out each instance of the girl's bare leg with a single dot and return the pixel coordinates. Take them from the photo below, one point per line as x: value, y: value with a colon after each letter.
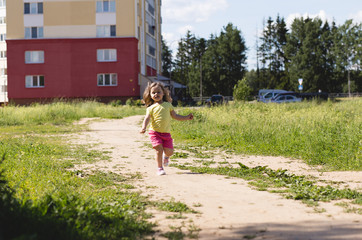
x: 168, y: 151
x: 158, y: 156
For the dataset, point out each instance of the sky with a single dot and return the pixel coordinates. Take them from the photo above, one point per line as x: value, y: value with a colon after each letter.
x: 206, y: 17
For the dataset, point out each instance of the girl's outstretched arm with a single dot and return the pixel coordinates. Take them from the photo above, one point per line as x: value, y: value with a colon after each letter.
x: 175, y: 116
x: 145, y: 123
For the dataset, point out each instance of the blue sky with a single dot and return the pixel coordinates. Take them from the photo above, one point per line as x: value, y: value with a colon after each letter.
x: 205, y: 17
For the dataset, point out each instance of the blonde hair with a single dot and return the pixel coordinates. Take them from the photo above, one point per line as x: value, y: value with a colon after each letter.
x: 147, y: 93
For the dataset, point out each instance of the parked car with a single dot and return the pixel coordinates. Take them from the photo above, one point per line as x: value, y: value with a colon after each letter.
x: 215, y: 100
x: 265, y: 95
x: 285, y: 98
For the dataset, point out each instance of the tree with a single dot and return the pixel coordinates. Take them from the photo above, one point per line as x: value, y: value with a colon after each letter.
x: 304, y: 50
x: 166, y: 59
x: 184, y: 58
x: 347, y: 52
x: 211, y: 67
x: 196, y: 67
x: 188, y: 62
x: 225, y: 61
x: 242, y: 90
x: 272, y: 56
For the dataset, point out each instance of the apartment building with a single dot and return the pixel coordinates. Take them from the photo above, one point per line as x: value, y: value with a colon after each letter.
x: 103, y: 49
x: 3, y: 63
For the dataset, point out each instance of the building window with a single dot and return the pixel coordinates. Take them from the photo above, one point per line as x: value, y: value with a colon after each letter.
x: 151, y: 62
x: 2, y: 3
x: 33, y: 8
x: 2, y: 37
x: 107, y: 79
x: 4, y: 89
x: 106, y: 31
x: 2, y: 20
x: 2, y: 54
x: 34, y: 81
x: 151, y: 29
x: 33, y: 32
x: 4, y: 71
x: 106, y: 55
x: 34, y: 57
x: 106, y: 6
x: 151, y: 9
x: 151, y: 50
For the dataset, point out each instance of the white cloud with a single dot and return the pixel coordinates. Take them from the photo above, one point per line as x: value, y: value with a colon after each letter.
x: 168, y: 37
x: 183, y: 30
x: 357, y: 17
x: 191, y: 11
x: 321, y: 15
x: 172, y: 39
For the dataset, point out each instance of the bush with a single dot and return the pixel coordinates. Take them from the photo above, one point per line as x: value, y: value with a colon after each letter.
x: 242, y: 90
x: 116, y: 103
x: 132, y: 102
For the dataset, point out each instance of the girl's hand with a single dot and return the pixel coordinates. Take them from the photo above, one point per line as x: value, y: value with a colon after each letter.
x: 143, y: 131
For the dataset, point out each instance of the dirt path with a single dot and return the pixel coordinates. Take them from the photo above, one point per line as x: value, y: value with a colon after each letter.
x: 229, y: 208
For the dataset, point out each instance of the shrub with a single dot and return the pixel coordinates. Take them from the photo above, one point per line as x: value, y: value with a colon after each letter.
x: 242, y: 90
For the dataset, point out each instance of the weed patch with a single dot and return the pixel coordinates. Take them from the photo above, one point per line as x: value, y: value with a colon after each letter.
x: 173, y: 206
x: 293, y: 186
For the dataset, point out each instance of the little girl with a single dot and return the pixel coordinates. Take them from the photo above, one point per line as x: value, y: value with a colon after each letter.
x: 159, y: 113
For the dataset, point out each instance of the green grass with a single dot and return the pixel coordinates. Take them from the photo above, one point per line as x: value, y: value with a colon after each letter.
x: 326, y: 133
x: 41, y: 198
x: 293, y: 186
x: 173, y: 206
x: 63, y: 112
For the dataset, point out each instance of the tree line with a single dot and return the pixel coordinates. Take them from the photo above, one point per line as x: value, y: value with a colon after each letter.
x: 324, y: 55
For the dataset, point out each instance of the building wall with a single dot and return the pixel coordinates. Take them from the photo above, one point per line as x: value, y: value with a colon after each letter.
x: 70, y: 41
x: 71, y: 19
x: 3, y: 53
x: 72, y: 72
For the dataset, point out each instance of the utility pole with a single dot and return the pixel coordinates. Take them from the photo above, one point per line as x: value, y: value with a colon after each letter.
x: 200, y: 80
x: 349, y: 83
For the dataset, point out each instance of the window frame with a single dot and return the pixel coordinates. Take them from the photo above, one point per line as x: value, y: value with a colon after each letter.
x: 2, y: 3
x: 106, y: 31
x: 30, y: 30
x: 151, y: 51
x: 103, y: 78
x: 150, y: 9
x: 33, y: 8
x: 30, y: 56
x: 3, y: 20
x: 40, y: 81
x: 103, y: 53
x: 106, y: 6
x: 3, y: 54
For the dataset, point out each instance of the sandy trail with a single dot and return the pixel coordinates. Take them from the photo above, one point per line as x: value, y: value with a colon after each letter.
x: 229, y: 208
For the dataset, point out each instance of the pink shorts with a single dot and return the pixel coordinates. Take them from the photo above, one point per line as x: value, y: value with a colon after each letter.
x: 163, y: 139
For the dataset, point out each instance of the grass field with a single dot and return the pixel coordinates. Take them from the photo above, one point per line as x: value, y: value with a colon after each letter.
x: 327, y: 133
x: 42, y: 199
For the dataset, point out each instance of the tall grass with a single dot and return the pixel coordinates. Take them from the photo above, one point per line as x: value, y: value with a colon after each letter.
x: 41, y: 199
x: 327, y: 133
x: 63, y: 112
